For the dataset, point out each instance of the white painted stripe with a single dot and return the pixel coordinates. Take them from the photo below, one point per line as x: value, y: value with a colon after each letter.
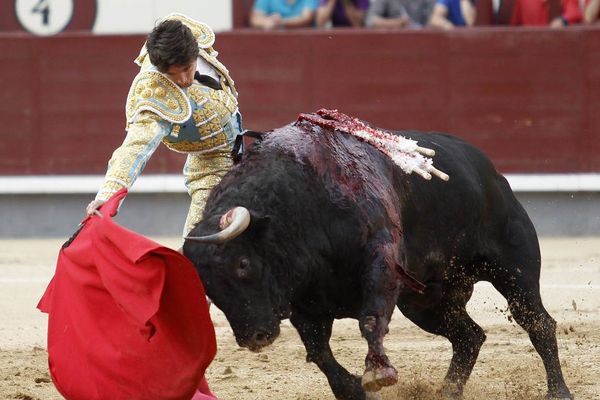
x: 554, y: 182
x: 65, y: 184
x: 173, y: 183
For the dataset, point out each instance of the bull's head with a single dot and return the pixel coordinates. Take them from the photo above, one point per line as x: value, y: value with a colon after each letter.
x: 236, y: 275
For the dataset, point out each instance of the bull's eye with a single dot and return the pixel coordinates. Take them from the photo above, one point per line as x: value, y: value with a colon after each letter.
x: 243, y: 267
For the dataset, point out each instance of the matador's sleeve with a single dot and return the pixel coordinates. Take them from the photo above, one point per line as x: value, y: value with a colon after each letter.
x: 127, y: 162
x: 202, y: 173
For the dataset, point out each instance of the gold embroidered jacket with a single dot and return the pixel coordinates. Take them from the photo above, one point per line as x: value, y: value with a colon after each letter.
x: 199, y: 121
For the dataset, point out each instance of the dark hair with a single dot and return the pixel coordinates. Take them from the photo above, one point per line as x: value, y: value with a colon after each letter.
x: 171, y: 43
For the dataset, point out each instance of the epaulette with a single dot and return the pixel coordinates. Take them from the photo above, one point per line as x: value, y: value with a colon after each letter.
x: 205, y: 37
x: 212, y: 60
x: 152, y: 91
x: 202, y: 32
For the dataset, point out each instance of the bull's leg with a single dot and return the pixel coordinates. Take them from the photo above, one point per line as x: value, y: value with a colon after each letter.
x: 525, y: 304
x: 315, y: 333
x: 516, y: 276
x: 379, y: 291
x: 449, y: 318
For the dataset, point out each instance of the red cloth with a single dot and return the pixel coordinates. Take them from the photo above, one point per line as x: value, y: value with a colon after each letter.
x: 536, y: 12
x: 128, y: 318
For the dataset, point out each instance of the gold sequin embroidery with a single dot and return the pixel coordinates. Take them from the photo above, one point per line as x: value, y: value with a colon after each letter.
x: 152, y: 91
x: 175, y: 130
x: 186, y: 146
x: 126, y: 162
x: 202, y: 173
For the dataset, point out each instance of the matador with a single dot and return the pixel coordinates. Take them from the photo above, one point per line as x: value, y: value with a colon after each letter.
x: 199, y: 117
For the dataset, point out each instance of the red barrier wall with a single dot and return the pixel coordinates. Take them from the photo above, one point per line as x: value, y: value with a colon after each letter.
x: 530, y: 98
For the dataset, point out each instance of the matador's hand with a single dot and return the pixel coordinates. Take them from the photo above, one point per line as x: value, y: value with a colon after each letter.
x: 93, y: 207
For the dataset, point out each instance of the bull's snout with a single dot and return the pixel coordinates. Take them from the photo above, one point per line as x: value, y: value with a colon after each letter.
x: 259, y: 338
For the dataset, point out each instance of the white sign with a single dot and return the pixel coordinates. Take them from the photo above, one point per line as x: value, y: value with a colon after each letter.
x: 140, y: 16
x: 44, y: 17
x: 51, y: 17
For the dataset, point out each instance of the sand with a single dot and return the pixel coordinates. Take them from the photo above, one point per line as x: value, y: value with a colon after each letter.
x: 507, y: 368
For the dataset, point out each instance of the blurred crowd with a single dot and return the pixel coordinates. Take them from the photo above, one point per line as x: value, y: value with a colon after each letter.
x: 415, y: 14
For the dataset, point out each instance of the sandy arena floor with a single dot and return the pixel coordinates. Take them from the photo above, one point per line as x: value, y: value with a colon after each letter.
x: 508, y: 367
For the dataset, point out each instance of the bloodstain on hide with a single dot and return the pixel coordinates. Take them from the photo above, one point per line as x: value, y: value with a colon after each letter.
x: 355, y: 173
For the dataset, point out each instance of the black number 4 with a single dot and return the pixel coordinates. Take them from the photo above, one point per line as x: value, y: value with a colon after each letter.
x: 43, y: 8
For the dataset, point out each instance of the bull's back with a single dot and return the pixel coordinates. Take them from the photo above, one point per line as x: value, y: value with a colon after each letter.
x: 473, y: 216
x: 473, y: 181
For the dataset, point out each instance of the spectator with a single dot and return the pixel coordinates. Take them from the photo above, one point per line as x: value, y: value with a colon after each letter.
x: 591, y: 13
x: 493, y: 12
x: 273, y: 14
x: 556, y: 14
x: 398, y: 13
x: 342, y: 12
x: 447, y: 14
x: 419, y: 10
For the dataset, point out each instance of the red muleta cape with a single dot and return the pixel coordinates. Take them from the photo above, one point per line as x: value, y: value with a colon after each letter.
x: 128, y: 318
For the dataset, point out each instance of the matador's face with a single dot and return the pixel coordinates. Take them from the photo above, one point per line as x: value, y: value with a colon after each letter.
x: 182, y: 75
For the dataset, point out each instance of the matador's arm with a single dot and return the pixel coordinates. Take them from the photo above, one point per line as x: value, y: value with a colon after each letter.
x: 128, y: 160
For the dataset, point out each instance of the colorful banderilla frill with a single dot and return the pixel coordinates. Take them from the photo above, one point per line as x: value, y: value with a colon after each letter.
x: 402, y: 151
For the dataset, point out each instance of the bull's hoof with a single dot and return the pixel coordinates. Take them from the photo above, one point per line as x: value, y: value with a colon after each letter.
x: 374, y: 380
x: 450, y: 391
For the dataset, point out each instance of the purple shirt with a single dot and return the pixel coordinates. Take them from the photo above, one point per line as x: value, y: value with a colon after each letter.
x: 339, y: 17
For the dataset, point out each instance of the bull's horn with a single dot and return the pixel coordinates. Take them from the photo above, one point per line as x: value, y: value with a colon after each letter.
x: 233, y: 223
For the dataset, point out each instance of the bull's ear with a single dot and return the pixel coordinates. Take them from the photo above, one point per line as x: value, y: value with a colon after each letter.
x: 206, y: 226
x: 259, y: 223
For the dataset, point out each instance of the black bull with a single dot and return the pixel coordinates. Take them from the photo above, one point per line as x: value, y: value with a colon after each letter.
x: 336, y: 230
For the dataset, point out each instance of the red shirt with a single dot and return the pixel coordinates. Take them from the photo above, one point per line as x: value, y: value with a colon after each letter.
x: 536, y: 12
